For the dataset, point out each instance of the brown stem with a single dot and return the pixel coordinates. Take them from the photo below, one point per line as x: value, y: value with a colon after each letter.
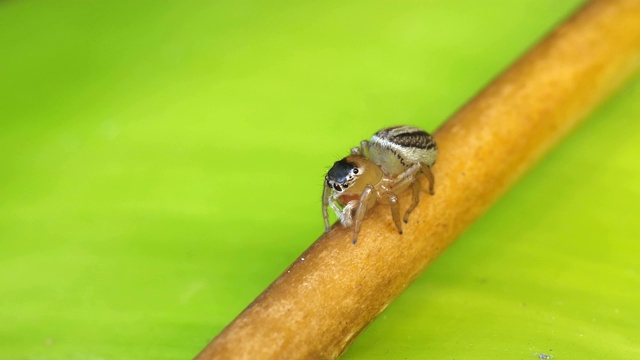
x: 318, y: 306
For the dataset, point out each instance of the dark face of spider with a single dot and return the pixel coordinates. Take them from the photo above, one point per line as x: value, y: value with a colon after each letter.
x: 342, y: 175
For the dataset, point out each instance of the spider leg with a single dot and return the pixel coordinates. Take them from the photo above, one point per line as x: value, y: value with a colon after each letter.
x: 325, y: 203
x: 426, y: 170
x: 364, y: 145
x: 415, y: 199
x: 367, y: 198
x: 408, y: 177
x: 343, y: 212
x: 411, y: 174
x: 395, y: 212
x: 362, y: 150
x: 347, y: 213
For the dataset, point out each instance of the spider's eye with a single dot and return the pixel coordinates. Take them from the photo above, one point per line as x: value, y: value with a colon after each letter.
x: 355, y: 171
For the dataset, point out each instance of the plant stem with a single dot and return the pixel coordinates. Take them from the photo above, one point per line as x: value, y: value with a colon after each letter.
x: 319, y: 305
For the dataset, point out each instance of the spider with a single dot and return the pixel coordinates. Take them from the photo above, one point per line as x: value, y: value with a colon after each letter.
x: 377, y: 171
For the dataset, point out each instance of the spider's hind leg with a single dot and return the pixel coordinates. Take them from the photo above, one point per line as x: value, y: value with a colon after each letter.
x: 426, y: 170
x: 405, y: 179
x: 395, y: 212
x: 415, y: 199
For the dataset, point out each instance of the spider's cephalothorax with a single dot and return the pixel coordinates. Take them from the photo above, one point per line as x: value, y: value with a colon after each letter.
x: 377, y: 171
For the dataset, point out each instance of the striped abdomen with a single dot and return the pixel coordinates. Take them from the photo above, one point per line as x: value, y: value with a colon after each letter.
x: 395, y: 149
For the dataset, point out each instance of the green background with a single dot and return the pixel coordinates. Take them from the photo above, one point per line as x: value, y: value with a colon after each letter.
x: 162, y: 162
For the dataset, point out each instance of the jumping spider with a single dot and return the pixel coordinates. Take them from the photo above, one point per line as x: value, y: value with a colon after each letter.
x: 377, y: 171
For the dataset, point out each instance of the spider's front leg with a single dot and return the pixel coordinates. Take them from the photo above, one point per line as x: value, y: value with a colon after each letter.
x: 367, y: 199
x: 326, y: 192
x: 346, y: 215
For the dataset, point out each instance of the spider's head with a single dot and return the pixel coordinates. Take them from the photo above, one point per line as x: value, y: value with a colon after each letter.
x: 352, y: 174
x: 342, y: 175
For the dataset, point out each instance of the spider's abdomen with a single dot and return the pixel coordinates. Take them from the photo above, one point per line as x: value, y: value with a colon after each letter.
x: 395, y: 149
